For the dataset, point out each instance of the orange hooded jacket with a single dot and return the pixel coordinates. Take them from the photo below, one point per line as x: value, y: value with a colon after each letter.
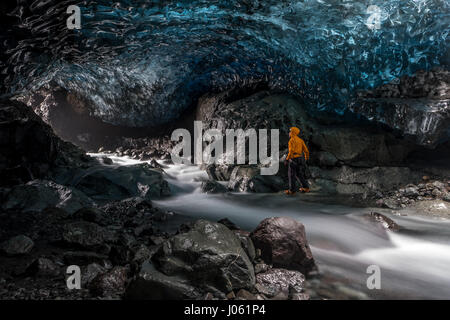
x: 296, y: 145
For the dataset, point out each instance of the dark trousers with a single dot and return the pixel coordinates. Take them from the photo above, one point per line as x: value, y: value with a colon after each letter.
x: 297, y: 171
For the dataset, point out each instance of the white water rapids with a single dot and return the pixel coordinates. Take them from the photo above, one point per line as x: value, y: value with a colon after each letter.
x: 414, y: 263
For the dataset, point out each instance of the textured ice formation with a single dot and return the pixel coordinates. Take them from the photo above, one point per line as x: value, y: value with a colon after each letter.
x: 143, y: 62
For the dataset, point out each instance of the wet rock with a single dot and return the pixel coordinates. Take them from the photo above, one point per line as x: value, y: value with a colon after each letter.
x: 211, y: 186
x: 106, y: 160
x: 411, y: 192
x: 155, y: 164
x: 324, y: 159
x: 245, y: 295
x: 261, y: 267
x: 43, y: 267
x: 208, y: 296
x: 246, y: 178
x: 185, y: 227
x: 82, y: 258
x: 276, y: 281
x: 385, y: 222
x: 231, y: 295
x: 112, y: 282
x: 150, y: 284
x: 300, y: 296
x: 219, y: 172
x: 155, y: 240
x: 390, y: 204
x: 228, y: 223
x: 433, y: 208
x: 89, y: 214
x: 144, y: 229
x: 18, y: 245
x: 37, y: 195
x: 446, y: 197
x: 246, y: 243
x: 85, y: 235
x: 439, y: 185
x: 118, y: 183
x: 126, y: 240
x: 90, y: 272
x: 282, y: 295
x: 141, y: 254
x: 121, y: 255
x: 161, y: 215
x: 209, y: 253
x: 283, y: 243
x: 128, y: 207
x: 436, y: 193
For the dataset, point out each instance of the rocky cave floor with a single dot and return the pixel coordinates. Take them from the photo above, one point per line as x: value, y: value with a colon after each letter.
x: 62, y: 207
x: 113, y: 242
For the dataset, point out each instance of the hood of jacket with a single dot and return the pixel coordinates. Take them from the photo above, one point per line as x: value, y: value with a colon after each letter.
x: 294, y: 131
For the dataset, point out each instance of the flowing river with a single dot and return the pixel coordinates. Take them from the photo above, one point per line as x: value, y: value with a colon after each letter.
x: 414, y: 262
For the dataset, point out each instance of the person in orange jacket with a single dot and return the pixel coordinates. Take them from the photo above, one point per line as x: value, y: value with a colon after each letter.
x: 296, y: 158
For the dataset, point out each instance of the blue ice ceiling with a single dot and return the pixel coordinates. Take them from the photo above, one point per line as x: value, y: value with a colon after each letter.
x: 144, y: 62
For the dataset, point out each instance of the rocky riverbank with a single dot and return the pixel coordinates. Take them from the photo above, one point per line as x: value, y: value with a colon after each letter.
x: 70, y: 209
x: 429, y: 198
x: 127, y: 249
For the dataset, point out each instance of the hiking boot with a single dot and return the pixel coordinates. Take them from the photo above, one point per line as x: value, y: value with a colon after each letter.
x: 289, y: 192
x: 304, y: 190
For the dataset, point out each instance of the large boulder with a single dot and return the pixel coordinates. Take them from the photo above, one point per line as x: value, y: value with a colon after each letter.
x: 118, y: 183
x: 210, y: 255
x: 37, y: 195
x: 283, y: 243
